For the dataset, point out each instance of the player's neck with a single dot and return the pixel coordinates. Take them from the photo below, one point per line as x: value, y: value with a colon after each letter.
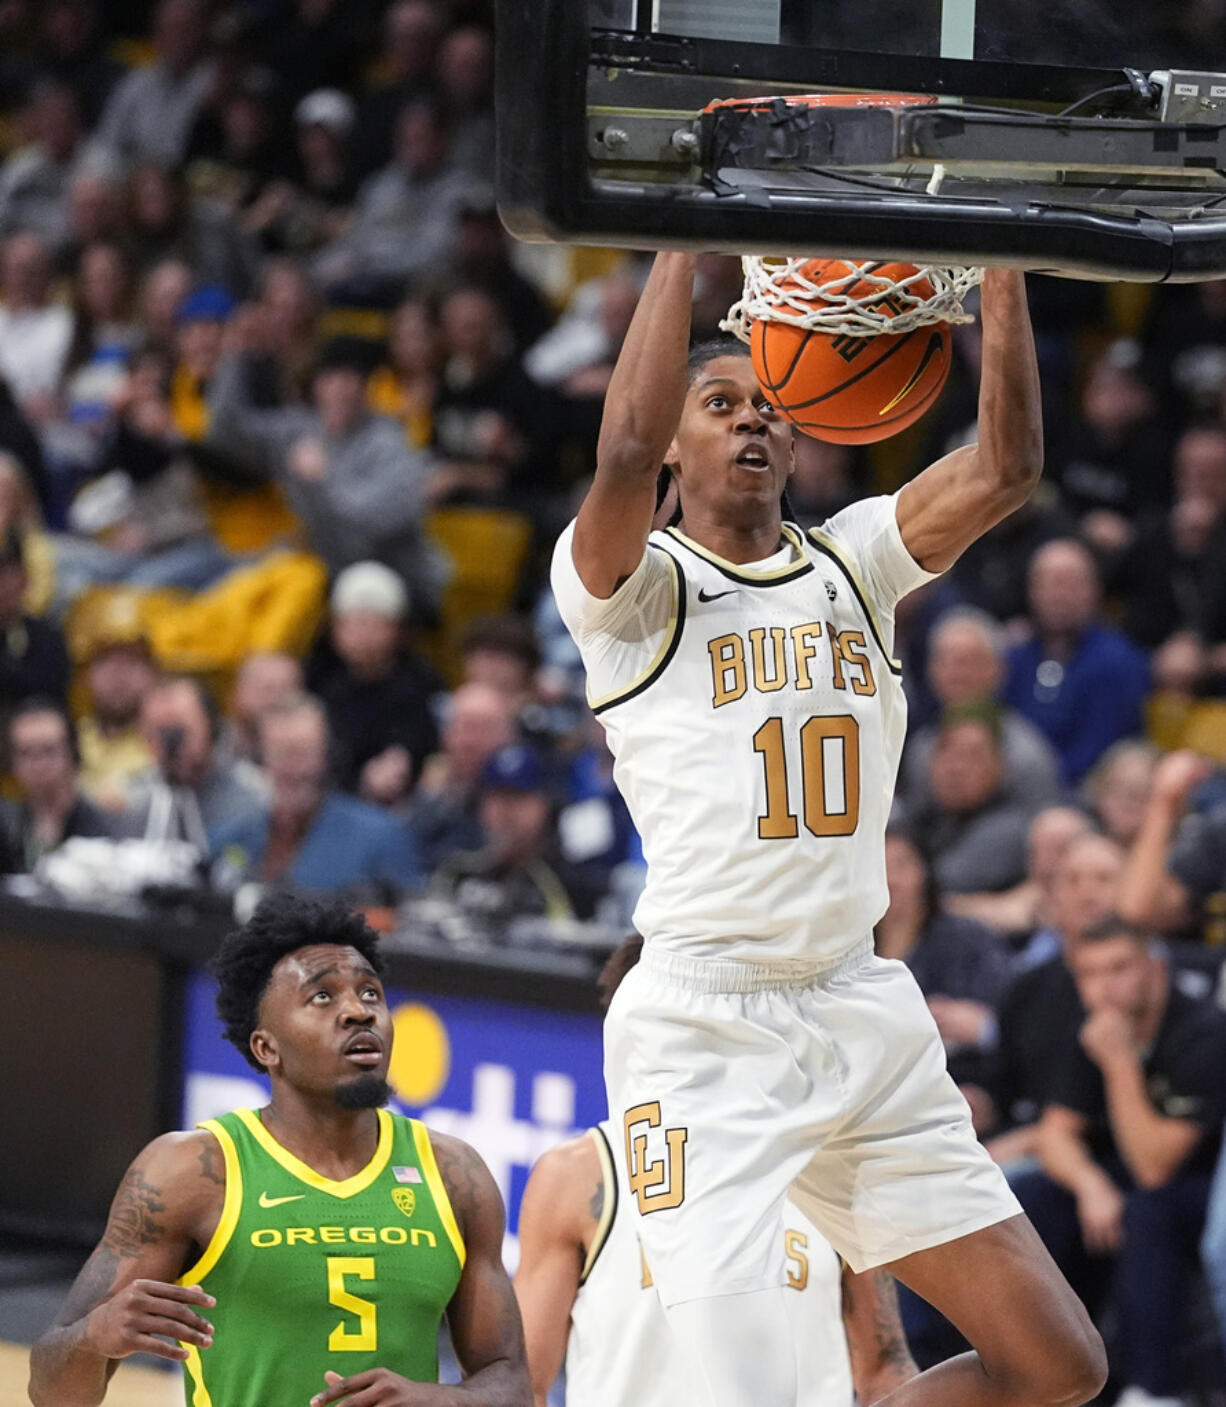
x: 734, y: 542
x: 334, y: 1142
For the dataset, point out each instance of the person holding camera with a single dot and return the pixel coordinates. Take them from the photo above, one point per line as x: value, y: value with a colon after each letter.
x: 190, y: 788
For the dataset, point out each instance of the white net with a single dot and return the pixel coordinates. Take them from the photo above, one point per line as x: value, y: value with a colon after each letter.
x: 859, y: 303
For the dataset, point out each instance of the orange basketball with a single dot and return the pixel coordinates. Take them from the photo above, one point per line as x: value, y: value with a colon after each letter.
x: 852, y: 390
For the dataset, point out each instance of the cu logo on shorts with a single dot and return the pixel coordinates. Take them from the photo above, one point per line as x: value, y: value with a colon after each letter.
x: 657, y: 1183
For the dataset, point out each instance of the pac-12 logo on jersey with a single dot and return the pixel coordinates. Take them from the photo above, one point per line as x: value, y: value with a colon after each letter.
x: 657, y: 1183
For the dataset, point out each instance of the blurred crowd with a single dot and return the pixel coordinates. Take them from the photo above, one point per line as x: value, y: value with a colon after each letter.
x: 288, y: 425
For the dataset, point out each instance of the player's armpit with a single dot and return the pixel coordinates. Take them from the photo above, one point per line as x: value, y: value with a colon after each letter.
x: 124, y: 1300
x: 876, y: 1344
x: 483, y: 1314
x: 561, y: 1207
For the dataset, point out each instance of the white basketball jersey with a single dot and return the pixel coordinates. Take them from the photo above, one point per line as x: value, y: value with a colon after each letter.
x: 620, y: 1352
x: 756, y: 717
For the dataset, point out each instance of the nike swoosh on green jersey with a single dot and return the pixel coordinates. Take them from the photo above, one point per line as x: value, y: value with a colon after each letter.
x: 267, y: 1201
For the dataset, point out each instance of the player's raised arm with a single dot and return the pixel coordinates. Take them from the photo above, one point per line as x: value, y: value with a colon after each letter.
x: 641, y: 411
x: 953, y: 502
x: 125, y: 1300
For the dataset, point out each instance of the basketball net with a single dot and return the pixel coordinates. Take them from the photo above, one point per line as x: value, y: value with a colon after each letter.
x: 776, y: 290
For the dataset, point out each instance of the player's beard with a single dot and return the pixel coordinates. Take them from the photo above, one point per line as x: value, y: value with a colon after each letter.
x: 366, y: 1092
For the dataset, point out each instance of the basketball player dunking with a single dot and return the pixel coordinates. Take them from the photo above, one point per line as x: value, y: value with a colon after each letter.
x: 744, y: 674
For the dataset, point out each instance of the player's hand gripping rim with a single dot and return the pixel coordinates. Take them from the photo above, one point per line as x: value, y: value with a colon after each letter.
x: 143, y: 1315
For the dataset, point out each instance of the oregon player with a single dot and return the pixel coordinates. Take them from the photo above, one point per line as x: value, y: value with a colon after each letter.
x: 307, y: 1252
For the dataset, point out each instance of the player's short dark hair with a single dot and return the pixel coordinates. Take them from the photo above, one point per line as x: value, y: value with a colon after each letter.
x: 708, y: 350
x: 281, y: 924
x: 623, y: 958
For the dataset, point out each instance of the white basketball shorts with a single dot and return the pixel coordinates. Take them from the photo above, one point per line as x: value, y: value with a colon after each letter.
x: 731, y: 1083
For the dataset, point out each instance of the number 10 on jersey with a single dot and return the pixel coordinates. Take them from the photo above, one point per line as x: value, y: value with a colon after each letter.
x: 829, y: 777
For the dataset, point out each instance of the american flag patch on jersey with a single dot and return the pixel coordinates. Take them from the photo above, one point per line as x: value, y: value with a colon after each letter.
x: 407, y: 1174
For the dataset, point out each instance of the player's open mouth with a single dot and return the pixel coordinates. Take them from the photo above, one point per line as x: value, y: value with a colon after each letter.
x: 365, y: 1050
x: 753, y: 457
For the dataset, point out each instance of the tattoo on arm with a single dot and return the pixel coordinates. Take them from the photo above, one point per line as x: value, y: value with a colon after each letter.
x: 212, y: 1163
x: 92, y: 1285
x: 133, y: 1224
x: 596, y: 1205
x: 888, y: 1337
x: 457, y: 1163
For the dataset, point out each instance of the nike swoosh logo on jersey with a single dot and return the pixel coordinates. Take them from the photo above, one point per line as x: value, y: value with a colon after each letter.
x: 702, y: 595
x: 267, y: 1201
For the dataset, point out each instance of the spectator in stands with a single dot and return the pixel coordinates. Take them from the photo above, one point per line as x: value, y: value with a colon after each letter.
x: 163, y: 291
x: 357, y: 486
x: 1079, y: 681
x: 190, y: 789
x: 72, y: 52
x: 482, y: 256
x: 502, y: 651
x: 1176, y: 876
x: 516, y: 873
x: 960, y: 965
x: 33, y: 657
x: 418, y: 190
x: 1043, y: 999
x: 1119, y: 788
x: 149, y: 115
x: 379, y: 696
x: 966, y: 653
x: 35, y: 331
x: 406, y: 385
x: 411, y: 33
x: 311, y: 204
x: 464, y: 73
x: 1022, y: 912
x: 494, y: 429
x: 104, y: 336
x: 164, y: 222
x: 52, y: 809
x: 143, y: 522
x: 310, y: 835
x: 1174, y: 578
x: 1110, y: 461
x: 477, y: 722
x: 972, y: 833
x: 826, y: 479
x: 119, y: 673
x: 316, y: 44
x: 577, y: 355
x: 238, y: 148
x: 34, y: 179
x: 94, y: 209
x: 263, y: 680
x: 992, y: 573
x: 1128, y: 1141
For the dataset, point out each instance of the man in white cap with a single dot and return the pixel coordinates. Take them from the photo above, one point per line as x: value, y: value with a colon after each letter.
x: 379, y: 696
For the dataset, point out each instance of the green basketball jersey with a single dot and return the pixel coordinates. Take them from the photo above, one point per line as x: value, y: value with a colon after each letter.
x: 311, y: 1274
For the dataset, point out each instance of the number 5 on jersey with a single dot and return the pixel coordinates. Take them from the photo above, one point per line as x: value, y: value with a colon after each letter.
x: 365, y: 1338
x: 829, y: 777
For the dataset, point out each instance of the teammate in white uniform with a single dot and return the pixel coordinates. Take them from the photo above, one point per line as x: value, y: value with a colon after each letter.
x: 744, y: 674
x: 586, y: 1292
